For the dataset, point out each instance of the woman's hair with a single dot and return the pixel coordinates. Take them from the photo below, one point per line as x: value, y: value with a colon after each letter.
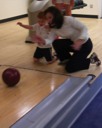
x: 58, y: 18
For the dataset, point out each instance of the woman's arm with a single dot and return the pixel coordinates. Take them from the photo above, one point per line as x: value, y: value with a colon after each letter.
x: 51, y: 37
x: 77, y: 44
x: 41, y: 41
x: 82, y: 30
x: 80, y: 27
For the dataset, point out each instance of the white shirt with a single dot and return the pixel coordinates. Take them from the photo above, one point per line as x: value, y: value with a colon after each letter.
x: 71, y: 29
x: 41, y: 31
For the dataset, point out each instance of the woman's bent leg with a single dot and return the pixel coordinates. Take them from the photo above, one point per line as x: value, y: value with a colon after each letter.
x: 79, y: 60
x: 61, y: 47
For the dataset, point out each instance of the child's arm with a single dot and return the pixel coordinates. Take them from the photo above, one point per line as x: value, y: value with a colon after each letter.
x: 25, y: 26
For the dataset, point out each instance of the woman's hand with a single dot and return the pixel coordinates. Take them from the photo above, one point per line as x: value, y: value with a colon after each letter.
x: 38, y: 39
x: 77, y: 44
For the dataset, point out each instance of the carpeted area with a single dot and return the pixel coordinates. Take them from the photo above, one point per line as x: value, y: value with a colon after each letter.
x: 92, y: 116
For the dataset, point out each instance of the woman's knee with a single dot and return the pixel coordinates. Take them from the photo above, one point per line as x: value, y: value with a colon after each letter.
x: 55, y: 43
x: 69, y: 68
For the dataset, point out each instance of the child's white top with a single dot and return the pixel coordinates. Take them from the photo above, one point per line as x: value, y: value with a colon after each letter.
x: 43, y: 32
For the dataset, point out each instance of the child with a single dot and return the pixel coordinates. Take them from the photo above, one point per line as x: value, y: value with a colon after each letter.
x: 43, y: 31
x: 64, y: 5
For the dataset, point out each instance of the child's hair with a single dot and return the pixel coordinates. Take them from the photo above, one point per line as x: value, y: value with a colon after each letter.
x: 41, y: 15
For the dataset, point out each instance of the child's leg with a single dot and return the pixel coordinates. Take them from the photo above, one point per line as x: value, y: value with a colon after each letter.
x: 37, y: 54
x: 47, y: 53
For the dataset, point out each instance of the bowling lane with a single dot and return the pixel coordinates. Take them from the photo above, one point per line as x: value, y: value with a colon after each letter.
x: 32, y: 88
x: 20, y: 54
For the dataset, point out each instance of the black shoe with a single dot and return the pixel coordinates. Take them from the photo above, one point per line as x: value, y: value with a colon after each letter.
x: 94, y: 59
x: 64, y: 62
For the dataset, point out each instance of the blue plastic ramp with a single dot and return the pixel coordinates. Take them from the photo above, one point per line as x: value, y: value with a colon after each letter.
x: 62, y: 107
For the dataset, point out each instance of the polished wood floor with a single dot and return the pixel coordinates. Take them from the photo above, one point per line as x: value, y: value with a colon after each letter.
x: 37, y: 80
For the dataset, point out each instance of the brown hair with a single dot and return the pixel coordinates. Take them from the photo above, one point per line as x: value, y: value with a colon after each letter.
x: 58, y: 18
x: 41, y: 15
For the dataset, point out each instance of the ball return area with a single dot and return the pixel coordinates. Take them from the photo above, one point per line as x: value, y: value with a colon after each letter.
x: 64, y: 105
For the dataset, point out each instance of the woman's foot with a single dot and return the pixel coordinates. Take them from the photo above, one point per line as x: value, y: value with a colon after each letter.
x: 94, y: 59
x: 63, y: 62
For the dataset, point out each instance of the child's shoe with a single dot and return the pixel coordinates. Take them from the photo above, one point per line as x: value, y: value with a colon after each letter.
x: 36, y: 60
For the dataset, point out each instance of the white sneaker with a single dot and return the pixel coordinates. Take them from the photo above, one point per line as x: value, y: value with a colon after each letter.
x: 94, y: 59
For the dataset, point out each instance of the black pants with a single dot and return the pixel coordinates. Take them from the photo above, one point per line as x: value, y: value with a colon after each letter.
x: 78, y: 60
x: 43, y: 52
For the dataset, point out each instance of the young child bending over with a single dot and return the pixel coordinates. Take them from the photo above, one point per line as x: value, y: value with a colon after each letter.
x: 43, y: 31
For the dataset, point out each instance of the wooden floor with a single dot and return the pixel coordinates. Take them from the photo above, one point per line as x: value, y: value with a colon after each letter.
x: 37, y: 80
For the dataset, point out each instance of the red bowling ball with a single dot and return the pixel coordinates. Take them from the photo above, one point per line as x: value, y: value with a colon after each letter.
x: 11, y: 76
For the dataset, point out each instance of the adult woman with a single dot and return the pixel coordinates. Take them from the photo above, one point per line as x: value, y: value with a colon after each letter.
x: 75, y: 39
